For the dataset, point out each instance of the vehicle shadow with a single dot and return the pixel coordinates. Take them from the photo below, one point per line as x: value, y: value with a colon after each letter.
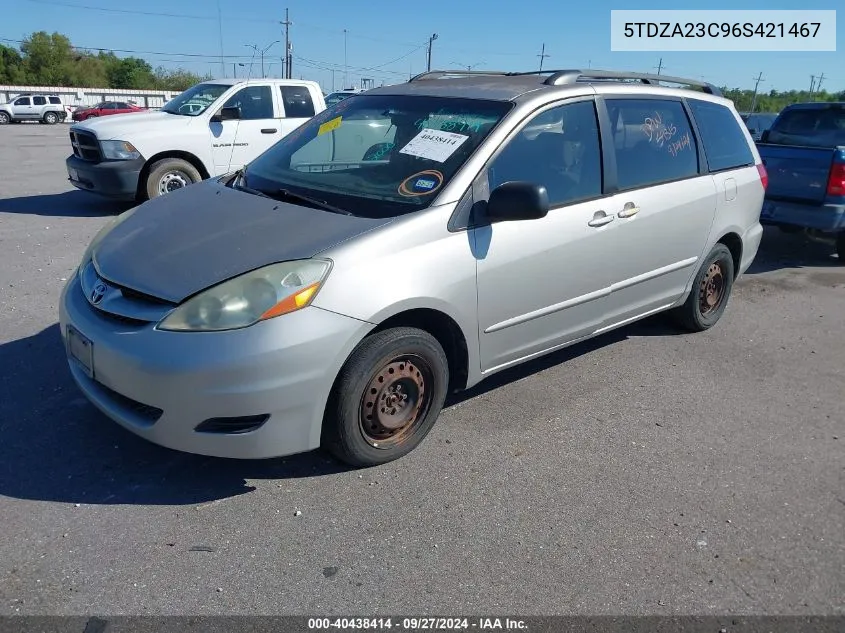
x: 71, y: 204
x: 779, y: 251
x: 57, y: 447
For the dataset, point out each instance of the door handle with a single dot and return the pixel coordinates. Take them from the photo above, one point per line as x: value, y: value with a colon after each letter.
x: 600, y: 219
x: 629, y: 210
x: 269, y: 130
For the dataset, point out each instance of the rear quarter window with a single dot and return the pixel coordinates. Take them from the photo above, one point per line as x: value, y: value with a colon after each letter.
x: 816, y: 127
x: 725, y: 145
x: 55, y: 100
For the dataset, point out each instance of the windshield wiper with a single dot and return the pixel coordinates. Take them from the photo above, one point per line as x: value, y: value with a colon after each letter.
x: 281, y: 194
x: 239, y: 182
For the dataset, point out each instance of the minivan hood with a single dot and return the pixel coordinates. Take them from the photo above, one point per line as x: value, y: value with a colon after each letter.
x: 179, y: 244
x: 116, y: 127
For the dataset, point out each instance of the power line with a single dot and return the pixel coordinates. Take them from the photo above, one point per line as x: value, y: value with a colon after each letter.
x: 134, y: 52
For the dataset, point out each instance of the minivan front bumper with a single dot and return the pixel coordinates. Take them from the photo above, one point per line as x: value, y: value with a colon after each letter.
x: 116, y: 179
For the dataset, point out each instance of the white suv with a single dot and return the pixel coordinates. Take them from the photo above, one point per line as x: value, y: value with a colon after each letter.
x: 208, y: 130
x: 33, y: 107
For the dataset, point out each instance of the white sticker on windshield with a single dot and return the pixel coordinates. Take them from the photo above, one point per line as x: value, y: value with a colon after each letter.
x: 434, y: 144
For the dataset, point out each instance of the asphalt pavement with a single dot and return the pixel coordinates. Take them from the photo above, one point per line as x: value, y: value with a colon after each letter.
x: 645, y: 472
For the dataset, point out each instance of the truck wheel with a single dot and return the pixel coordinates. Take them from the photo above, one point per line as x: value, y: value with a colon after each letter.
x: 386, y: 398
x: 5, y: 118
x: 170, y: 174
x: 840, y: 247
x: 710, y: 291
x: 51, y: 118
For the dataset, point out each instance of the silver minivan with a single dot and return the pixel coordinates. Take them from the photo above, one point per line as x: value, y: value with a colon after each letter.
x: 334, y: 291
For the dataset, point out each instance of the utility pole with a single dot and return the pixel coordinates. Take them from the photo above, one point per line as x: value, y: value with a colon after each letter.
x: 220, y: 27
x: 812, y: 83
x: 543, y: 56
x: 754, y: 98
x: 286, y: 24
x: 345, y: 63
x: 430, y: 42
x: 261, y: 51
x: 819, y: 86
x: 659, y: 65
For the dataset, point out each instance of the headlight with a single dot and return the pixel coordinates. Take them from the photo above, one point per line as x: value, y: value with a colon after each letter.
x: 119, y: 150
x: 255, y: 296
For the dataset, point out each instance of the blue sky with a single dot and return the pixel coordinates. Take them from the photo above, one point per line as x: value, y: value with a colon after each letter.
x: 386, y: 39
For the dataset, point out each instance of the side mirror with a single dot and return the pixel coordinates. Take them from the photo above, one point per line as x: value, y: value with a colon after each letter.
x: 764, y: 137
x: 227, y: 114
x: 517, y: 200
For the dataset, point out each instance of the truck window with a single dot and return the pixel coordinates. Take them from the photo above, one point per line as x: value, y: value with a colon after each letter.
x: 39, y: 101
x: 298, y: 103
x: 816, y: 127
x: 255, y: 102
x: 724, y: 141
x: 23, y: 101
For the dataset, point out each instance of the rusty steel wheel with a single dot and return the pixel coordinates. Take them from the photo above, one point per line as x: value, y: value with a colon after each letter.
x: 711, y: 290
x: 386, y: 397
x: 394, y: 402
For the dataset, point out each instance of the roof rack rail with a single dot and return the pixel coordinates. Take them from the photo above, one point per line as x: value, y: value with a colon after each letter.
x: 440, y: 74
x: 571, y: 76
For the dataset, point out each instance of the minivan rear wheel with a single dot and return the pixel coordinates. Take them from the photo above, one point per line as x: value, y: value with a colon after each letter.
x: 386, y: 398
x: 710, y: 291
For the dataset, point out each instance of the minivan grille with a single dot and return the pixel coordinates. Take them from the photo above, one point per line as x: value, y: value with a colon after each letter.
x: 85, y: 146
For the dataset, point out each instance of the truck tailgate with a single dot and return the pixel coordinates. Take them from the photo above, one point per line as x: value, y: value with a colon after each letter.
x: 796, y: 173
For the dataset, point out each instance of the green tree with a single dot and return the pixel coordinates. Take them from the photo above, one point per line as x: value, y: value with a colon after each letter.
x: 48, y: 59
x: 12, y: 71
x: 177, y: 80
x: 127, y: 72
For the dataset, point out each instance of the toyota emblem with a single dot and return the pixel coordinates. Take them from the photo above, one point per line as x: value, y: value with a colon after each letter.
x: 98, y: 292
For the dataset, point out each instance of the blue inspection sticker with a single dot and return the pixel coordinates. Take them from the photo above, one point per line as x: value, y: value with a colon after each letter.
x: 422, y: 183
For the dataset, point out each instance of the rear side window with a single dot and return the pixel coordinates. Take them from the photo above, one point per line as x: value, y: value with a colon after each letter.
x: 39, y: 101
x: 818, y: 127
x: 55, y: 100
x: 724, y: 141
x: 652, y: 140
x: 298, y: 103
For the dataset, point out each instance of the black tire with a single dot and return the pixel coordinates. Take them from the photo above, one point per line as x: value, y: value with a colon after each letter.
x: 168, y: 175
x: 51, y: 118
x: 5, y: 119
x: 402, y: 357
x: 710, y: 292
x: 840, y: 246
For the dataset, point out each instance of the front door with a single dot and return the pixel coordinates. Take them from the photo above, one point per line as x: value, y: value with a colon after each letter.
x: 543, y: 283
x: 235, y: 143
x: 22, y: 108
x: 664, y: 210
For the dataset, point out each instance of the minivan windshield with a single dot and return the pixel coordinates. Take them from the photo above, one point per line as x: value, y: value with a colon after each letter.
x: 377, y: 155
x: 196, y: 100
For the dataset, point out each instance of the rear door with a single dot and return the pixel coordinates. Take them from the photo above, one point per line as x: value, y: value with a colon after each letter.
x: 664, y: 207
x: 38, y: 106
x: 235, y: 143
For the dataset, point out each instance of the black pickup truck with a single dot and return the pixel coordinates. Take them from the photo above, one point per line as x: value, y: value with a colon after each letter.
x: 804, y: 155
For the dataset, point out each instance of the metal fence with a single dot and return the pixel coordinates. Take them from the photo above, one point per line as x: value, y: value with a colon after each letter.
x: 73, y: 98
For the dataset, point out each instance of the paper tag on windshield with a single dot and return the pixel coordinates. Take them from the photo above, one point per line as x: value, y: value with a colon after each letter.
x: 434, y: 144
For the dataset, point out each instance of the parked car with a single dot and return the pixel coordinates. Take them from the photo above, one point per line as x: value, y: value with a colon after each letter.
x: 335, y: 97
x: 106, y: 108
x: 804, y: 154
x: 43, y: 108
x: 208, y: 130
x: 758, y: 123
x: 306, y: 301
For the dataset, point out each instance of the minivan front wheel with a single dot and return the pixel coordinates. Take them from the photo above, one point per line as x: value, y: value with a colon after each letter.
x: 386, y: 398
x: 710, y: 291
x: 170, y: 174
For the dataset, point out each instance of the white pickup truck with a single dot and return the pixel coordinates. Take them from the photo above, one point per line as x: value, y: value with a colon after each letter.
x: 210, y: 129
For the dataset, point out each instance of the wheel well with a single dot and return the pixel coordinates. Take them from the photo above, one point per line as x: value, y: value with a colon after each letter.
x: 734, y: 244
x: 448, y: 334
x: 186, y: 156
